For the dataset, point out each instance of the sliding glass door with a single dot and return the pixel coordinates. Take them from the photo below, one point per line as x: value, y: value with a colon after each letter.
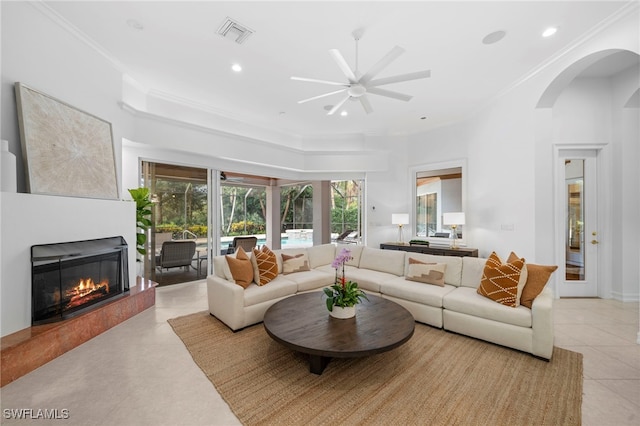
x: 180, y: 213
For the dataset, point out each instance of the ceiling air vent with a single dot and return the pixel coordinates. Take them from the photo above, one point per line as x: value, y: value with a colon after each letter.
x: 234, y: 30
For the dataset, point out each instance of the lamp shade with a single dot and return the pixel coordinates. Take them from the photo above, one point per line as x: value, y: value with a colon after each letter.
x: 456, y: 218
x: 400, y: 218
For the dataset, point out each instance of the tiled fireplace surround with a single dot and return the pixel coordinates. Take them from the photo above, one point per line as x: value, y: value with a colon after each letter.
x: 23, y: 347
x: 30, y: 348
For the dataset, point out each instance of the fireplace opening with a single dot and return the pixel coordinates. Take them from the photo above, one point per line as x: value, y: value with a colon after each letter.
x: 73, y: 277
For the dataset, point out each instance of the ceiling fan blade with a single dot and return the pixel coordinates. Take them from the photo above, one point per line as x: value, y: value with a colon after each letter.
x: 400, y: 78
x: 342, y: 63
x: 389, y: 94
x: 314, y: 80
x: 381, y: 64
x: 338, y: 105
x: 364, y: 100
x: 321, y: 96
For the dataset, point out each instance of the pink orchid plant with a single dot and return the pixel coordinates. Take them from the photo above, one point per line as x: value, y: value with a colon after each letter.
x: 343, y: 293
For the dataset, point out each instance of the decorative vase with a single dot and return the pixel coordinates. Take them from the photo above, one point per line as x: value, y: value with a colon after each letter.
x: 9, y: 177
x: 343, y: 313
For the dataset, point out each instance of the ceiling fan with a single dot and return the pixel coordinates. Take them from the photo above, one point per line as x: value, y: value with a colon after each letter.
x: 360, y: 85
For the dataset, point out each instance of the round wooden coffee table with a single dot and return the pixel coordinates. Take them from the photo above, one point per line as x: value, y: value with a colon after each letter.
x: 302, y: 323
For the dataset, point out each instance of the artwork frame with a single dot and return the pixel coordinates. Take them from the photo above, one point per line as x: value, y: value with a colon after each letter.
x: 66, y: 151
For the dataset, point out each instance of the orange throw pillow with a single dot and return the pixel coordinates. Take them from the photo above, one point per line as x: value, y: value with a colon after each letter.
x: 503, y: 282
x: 537, y: 278
x: 241, y: 268
x: 267, y: 265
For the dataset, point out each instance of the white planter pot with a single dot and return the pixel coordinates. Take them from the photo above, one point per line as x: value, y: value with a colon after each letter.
x: 343, y: 313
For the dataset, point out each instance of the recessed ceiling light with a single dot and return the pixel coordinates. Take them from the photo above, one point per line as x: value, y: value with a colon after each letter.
x: 423, y: 118
x: 236, y: 67
x: 344, y: 113
x: 549, y: 32
x: 136, y: 25
x: 494, y: 37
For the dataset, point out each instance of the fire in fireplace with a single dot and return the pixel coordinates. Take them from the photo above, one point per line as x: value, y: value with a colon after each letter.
x: 73, y: 277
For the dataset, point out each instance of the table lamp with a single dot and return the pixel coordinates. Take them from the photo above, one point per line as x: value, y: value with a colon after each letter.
x: 400, y: 219
x: 453, y: 220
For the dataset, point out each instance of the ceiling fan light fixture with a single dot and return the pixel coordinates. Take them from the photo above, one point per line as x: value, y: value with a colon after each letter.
x: 356, y: 90
x: 359, y: 86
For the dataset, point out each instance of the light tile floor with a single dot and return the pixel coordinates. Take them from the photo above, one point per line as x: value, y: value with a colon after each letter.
x: 139, y: 373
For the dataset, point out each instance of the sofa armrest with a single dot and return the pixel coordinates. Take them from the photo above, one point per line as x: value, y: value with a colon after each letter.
x: 226, y: 301
x: 542, y: 324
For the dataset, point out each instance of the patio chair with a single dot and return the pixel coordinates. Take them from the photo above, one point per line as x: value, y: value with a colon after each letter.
x: 351, y: 237
x: 344, y: 235
x: 175, y: 254
x: 247, y: 243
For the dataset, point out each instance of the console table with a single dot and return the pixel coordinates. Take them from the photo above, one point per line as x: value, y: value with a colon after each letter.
x: 437, y: 250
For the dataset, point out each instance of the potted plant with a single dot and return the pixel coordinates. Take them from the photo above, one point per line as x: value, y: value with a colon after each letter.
x: 143, y: 212
x: 343, y: 295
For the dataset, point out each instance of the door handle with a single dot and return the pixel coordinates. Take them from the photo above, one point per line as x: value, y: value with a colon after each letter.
x: 595, y: 242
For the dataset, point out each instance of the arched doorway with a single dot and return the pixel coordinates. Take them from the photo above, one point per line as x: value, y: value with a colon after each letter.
x: 593, y: 105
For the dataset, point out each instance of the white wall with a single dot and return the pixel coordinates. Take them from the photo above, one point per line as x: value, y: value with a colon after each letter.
x: 509, y: 149
x: 27, y: 220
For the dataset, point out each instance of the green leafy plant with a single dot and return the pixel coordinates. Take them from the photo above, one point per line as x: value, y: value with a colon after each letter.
x: 143, y: 213
x: 343, y: 293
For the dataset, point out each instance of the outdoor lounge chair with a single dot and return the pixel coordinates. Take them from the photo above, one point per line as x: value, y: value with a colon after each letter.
x: 247, y: 243
x: 348, y: 237
x: 175, y: 254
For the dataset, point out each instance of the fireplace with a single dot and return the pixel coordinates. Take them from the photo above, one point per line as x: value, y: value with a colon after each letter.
x: 74, y: 277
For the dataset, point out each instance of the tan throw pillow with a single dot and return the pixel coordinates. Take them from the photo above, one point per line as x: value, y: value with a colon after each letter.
x: 429, y: 273
x: 297, y: 263
x: 267, y: 265
x: 503, y: 282
x: 241, y: 268
x: 537, y: 278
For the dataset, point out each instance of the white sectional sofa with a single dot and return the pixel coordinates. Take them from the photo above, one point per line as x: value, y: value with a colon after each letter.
x: 455, y: 307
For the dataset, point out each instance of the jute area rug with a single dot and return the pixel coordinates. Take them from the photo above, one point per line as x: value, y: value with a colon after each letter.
x: 436, y: 378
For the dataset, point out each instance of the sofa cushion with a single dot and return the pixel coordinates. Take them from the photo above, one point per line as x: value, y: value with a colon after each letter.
x: 453, y: 272
x: 472, y: 268
x: 321, y: 255
x: 241, y: 268
x: 221, y: 267
x: 294, y: 263
x: 537, y: 278
x: 428, y: 273
x: 503, y: 282
x: 368, y: 279
x: 430, y: 295
x: 312, y: 280
x: 278, y: 287
x: 267, y: 265
x: 356, y: 253
x: 389, y: 261
x: 466, y: 300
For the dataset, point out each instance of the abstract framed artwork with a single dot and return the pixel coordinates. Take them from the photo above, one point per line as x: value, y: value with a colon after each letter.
x: 66, y: 151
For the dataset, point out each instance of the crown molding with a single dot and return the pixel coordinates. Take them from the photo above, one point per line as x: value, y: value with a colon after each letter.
x: 271, y: 145
x: 58, y: 19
